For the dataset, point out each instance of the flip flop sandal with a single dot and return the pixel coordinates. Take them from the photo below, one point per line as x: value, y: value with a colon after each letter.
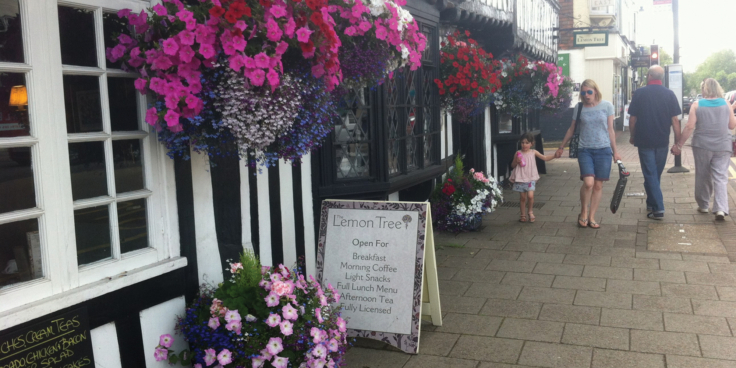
x: 522, y: 218
x: 531, y: 217
x: 582, y: 222
x: 594, y: 225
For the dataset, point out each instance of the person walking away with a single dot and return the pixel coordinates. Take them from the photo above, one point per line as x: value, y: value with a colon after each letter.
x: 596, y: 150
x: 653, y: 109
x: 525, y: 175
x: 710, y: 122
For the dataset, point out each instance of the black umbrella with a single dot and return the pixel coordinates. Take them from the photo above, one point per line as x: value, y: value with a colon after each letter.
x: 618, y: 194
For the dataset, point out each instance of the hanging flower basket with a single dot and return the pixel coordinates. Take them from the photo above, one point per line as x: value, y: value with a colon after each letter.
x: 467, y: 76
x: 531, y: 85
x: 233, y: 77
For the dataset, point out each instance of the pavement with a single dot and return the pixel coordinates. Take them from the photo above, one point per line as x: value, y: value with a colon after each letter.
x: 634, y: 293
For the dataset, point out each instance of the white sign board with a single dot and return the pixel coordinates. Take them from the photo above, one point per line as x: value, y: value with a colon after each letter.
x: 674, y: 81
x: 369, y: 267
x: 373, y: 253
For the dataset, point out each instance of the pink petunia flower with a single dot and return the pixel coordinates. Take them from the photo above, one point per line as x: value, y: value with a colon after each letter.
x: 272, y: 299
x: 239, y: 43
x: 234, y: 326
x: 280, y: 362
x: 206, y: 50
x: 316, y: 333
x: 161, y: 354
x: 273, y: 78
x: 278, y: 11
x: 186, y: 38
x: 350, y: 31
x: 140, y: 84
x: 381, y: 32
x: 318, y: 314
x: 274, y: 32
x: 232, y: 315
x: 170, y: 46
x: 185, y: 15
x: 275, y: 345
x: 303, y: 34
x: 225, y: 357
x: 333, y: 345
x: 151, y: 116
x: 318, y: 70
x: 250, y: 64
x: 210, y: 355
x: 290, y: 27
x: 289, y: 312
x: 161, y: 63
x: 172, y: 118
x: 342, y: 326
x: 287, y: 328
x: 166, y: 340
x: 214, y: 323
x: 319, y: 351
x: 281, y: 48
x: 273, y: 320
x: 241, y: 25
x: 123, y: 13
x: 186, y: 54
x: 257, y: 362
x: 160, y: 10
x: 365, y: 26
x: 262, y: 60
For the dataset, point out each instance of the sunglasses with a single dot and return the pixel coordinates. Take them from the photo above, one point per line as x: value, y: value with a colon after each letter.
x: 590, y: 92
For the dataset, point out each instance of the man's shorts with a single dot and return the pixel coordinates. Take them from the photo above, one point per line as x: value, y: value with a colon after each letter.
x: 525, y: 187
x: 595, y: 162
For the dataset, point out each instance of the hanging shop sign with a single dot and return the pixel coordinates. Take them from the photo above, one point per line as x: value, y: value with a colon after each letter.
x: 380, y: 258
x: 60, y: 341
x: 584, y: 39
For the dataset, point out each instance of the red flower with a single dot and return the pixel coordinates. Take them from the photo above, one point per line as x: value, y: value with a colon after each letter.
x: 448, y: 189
x: 316, y: 18
x: 231, y: 17
x: 467, y: 33
x: 217, y: 11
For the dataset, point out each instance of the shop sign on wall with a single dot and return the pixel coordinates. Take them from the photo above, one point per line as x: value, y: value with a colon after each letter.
x: 380, y: 258
x: 590, y: 39
x: 59, y: 341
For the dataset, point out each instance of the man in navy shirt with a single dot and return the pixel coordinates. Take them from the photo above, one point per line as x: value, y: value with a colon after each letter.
x: 654, y: 109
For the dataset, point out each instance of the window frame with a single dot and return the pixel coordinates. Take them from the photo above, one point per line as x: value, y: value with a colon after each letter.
x: 51, y: 163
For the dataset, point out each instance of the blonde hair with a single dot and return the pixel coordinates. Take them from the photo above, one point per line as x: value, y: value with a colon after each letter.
x: 592, y: 85
x: 711, y: 88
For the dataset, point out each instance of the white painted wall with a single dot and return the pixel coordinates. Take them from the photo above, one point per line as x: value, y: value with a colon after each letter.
x: 159, y: 320
x: 307, y: 208
x: 577, y: 70
x: 487, y: 145
x: 288, y: 235
x: 209, y: 268
x: 105, y: 346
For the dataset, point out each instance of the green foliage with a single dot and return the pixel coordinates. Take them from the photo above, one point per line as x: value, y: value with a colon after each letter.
x: 720, y: 66
x: 242, y: 293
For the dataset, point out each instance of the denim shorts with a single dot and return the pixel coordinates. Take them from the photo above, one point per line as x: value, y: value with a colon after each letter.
x: 525, y: 187
x: 595, y: 162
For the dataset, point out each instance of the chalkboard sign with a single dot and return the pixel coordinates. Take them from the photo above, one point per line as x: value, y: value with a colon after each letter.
x: 61, y: 341
x: 375, y: 255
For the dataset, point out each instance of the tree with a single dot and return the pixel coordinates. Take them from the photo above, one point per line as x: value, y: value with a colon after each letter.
x: 720, y: 66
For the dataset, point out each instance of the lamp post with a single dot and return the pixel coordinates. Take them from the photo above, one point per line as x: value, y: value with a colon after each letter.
x: 678, y: 168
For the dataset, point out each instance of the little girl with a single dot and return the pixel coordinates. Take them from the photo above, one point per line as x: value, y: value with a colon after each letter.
x: 525, y: 174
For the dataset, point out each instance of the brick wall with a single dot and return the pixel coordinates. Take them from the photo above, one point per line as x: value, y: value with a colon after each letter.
x: 566, y: 22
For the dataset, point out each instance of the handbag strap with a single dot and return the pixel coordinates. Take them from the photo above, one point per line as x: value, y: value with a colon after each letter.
x: 577, y: 119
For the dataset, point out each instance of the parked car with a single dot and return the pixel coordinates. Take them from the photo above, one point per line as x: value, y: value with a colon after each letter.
x: 686, y: 102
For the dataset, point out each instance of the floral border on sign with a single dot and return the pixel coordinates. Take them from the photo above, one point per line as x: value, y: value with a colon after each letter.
x: 407, y: 342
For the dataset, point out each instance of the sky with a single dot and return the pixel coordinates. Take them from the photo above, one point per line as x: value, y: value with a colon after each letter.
x: 706, y: 27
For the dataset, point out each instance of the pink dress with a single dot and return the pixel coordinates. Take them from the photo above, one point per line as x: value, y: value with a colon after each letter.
x: 528, y: 173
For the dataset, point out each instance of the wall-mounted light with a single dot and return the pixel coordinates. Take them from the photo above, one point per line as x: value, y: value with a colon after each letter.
x: 19, y: 97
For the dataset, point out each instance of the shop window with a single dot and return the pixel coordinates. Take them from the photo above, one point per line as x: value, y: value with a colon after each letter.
x: 353, y: 139
x: 107, y: 166
x: 11, y: 37
x: 81, y: 176
x: 505, y: 124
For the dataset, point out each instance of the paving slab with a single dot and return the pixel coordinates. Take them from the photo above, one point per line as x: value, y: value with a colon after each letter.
x: 603, y: 299
x: 467, y: 324
x: 487, y: 349
x: 428, y: 361
x: 481, y: 290
x: 540, y: 354
x: 718, y: 347
x: 579, y: 283
x: 689, y: 291
x: 558, y: 269
x: 547, y: 295
x: 511, y: 308
x: 371, y: 358
x: 596, y: 336
x: 677, y: 361
x: 662, y: 304
x: 626, y: 359
x: 570, y: 313
x: 665, y: 342
x: 526, y: 329
x: 685, y: 238
x: 633, y: 319
x: 696, y: 324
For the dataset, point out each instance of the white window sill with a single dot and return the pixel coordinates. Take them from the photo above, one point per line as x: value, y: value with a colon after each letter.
x: 40, y: 308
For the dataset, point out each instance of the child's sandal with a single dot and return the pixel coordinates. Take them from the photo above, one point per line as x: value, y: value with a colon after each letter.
x: 531, y: 217
x: 522, y: 218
